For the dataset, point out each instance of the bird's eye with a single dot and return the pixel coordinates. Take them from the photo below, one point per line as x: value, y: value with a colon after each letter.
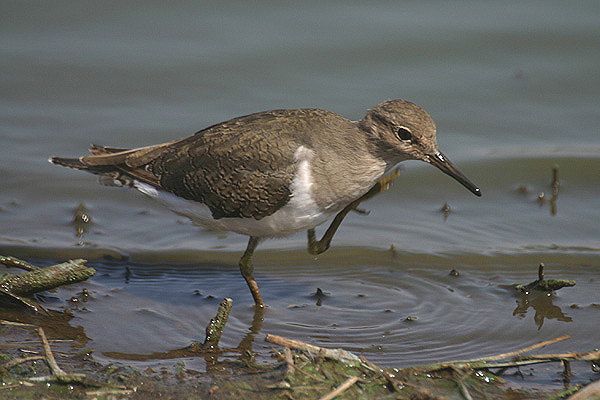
x: 403, y: 133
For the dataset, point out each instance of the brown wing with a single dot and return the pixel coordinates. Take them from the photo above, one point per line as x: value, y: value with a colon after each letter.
x: 239, y: 168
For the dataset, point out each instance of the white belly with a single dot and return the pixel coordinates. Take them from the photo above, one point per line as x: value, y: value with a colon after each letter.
x: 300, y: 213
x: 297, y: 215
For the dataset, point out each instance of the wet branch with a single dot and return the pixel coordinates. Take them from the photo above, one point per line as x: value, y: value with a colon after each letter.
x: 57, y: 374
x: 15, y: 262
x: 542, y: 284
x: 14, y: 287
x: 504, y: 356
x: 334, y: 354
x: 399, y: 380
x: 340, y: 389
x: 215, y: 327
x: 493, y: 361
x: 17, y: 361
x: 41, y: 279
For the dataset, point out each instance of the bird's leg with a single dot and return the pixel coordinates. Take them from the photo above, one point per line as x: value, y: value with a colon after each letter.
x: 319, y: 246
x: 381, y: 186
x: 247, y: 270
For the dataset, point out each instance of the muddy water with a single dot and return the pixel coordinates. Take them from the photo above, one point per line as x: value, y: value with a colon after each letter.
x: 514, y: 91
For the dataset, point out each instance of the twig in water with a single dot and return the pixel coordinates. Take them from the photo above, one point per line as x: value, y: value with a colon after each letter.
x: 483, y: 360
x: 488, y: 362
x: 5, y: 322
x: 15, y: 262
x: 57, y: 373
x: 13, y: 287
x: 47, y: 278
x: 16, y: 361
x: 290, y: 366
x: 546, y: 285
x: 54, y: 368
x: 109, y: 392
x: 539, y: 359
x: 340, y: 389
x: 215, y: 327
x: 289, y: 360
x: 334, y: 354
x: 523, y: 350
x: 463, y: 390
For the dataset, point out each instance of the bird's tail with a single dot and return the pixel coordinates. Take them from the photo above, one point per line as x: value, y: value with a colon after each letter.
x: 106, y: 154
x: 68, y: 162
x: 116, y: 164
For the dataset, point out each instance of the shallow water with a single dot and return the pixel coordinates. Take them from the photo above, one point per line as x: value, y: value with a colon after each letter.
x: 514, y: 90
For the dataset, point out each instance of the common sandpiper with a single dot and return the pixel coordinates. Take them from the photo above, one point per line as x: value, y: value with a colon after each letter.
x: 274, y: 173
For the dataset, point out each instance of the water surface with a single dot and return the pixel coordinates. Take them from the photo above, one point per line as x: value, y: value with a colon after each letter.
x: 513, y: 88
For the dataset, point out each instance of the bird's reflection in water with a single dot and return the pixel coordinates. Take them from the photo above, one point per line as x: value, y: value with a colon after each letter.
x: 541, y: 302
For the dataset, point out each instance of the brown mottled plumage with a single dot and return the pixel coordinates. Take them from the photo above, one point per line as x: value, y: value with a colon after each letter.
x: 276, y: 172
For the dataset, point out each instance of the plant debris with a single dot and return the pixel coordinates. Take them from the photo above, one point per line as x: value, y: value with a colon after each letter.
x: 544, y: 285
x: 14, y: 288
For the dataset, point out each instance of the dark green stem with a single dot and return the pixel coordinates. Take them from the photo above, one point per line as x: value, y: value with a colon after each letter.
x: 48, y: 278
x: 214, y: 330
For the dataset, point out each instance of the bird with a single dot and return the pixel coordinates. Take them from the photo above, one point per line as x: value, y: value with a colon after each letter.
x: 273, y: 173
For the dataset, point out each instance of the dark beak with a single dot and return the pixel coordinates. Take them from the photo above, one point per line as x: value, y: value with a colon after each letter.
x: 439, y: 160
